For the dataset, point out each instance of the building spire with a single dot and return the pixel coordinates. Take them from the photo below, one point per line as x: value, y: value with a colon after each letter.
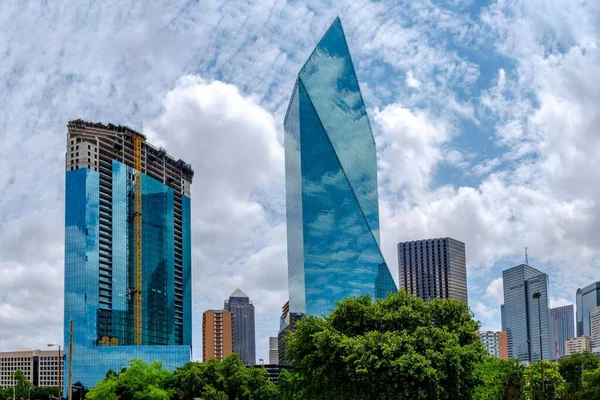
x: 526, y: 257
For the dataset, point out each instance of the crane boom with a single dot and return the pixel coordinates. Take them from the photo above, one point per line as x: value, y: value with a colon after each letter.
x: 137, y: 163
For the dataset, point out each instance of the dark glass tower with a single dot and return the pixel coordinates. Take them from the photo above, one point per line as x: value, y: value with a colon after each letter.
x: 244, y: 342
x: 433, y: 268
x: 106, y: 232
x: 587, y: 299
x: 563, y: 324
x: 331, y: 185
x: 520, y: 314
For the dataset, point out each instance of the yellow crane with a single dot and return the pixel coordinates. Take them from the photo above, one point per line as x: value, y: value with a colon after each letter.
x: 137, y: 293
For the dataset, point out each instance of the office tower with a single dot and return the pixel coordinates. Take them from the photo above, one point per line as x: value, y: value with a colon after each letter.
x: 578, y: 344
x: 217, y: 334
x: 495, y: 343
x: 587, y: 299
x: 127, y: 252
x: 331, y: 185
x: 433, y: 268
x: 521, y: 314
x: 273, y: 351
x: 595, y: 328
x: 243, y: 326
x: 563, y: 327
x: 40, y: 367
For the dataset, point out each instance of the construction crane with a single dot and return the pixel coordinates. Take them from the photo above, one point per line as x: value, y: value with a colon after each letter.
x: 137, y: 292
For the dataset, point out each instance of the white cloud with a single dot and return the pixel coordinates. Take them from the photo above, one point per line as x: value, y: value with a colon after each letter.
x: 495, y: 291
x: 411, y: 81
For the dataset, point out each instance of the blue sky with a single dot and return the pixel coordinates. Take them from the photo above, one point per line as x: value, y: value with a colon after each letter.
x: 485, y: 116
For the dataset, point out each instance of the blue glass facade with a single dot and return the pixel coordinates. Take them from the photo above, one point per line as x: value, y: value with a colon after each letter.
x: 99, y: 273
x: 587, y: 299
x: 331, y: 185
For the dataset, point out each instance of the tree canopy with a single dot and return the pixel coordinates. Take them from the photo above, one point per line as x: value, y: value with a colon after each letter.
x: 571, y: 368
x: 499, y: 380
x: 399, y: 347
x: 227, y: 379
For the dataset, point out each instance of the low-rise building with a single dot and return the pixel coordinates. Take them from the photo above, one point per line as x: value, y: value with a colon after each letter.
x: 595, y: 328
x: 578, y: 345
x: 495, y: 342
x: 40, y: 367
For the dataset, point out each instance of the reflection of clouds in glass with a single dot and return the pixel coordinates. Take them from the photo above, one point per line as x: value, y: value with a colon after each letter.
x: 333, y: 88
x: 333, y: 219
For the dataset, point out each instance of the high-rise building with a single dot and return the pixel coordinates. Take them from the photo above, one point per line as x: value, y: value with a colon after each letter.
x: 587, y: 299
x: 495, y: 343
x: 127, y: 252
x: 578, y: 344
x: 520, y: 314
x: 433, y: 268
x: 563, y: 324
x: 217, y: 334
x: 287, y: 324
x: 243, y: 326
x: 595, y: 328
x: 273, y: 350
x: 331, y: 185
x: 40, y: 367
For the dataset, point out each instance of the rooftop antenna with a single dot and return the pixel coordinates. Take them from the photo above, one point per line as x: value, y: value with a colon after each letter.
x: 526, y: 258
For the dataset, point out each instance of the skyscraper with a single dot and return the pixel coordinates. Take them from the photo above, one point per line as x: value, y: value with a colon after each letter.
x: 331, y: 185
x: 273, y: 350
x: 243, y: 326
x: 127, y: 251
x: 217, y: 334
x: 563, y: 326
x: 520, y: 314
x: 433, y: 268
x: 587, y: 299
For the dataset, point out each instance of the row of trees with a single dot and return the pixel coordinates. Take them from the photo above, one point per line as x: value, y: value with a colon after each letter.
x: 395, y: 348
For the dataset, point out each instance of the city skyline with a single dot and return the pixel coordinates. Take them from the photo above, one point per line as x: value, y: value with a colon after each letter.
x: 477, y: 139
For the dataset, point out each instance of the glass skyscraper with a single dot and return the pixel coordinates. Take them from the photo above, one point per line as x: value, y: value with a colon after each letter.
x: 587, y: 299
x: 563, y: 324
x: 520, y: 314
x: 116, y: 219
x: 331, y: 185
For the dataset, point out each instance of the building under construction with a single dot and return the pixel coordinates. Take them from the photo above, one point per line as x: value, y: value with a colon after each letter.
x: 127, y: 251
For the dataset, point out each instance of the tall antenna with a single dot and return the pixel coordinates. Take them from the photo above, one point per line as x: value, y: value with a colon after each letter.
x: 526, y: 257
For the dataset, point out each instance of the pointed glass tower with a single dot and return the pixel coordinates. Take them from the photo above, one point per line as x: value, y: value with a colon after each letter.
x: 331, y: 185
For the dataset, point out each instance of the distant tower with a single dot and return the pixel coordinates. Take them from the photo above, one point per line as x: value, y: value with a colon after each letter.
x: 217, y: 334
x: 273, y: 350
x: 243, y: 326
x: 563, y: 324
x: 520, y: 314
x: 433, y: 268
x: 588, y: 298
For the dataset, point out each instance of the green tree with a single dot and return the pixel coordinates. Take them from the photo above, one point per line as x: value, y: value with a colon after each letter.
x: 499, y: 380
x: 139, y: 381
x: 399, y: 347
x: 43, y: 393
x: 22, y: 386
x: 227, y: 379
x: 553, y: 383
x: 571, y: 369
x: 591, y: 384
x: 290, y: 385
